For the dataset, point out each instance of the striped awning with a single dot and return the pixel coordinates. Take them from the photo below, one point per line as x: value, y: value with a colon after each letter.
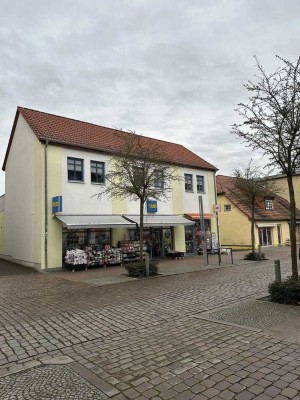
x: 196, y: 216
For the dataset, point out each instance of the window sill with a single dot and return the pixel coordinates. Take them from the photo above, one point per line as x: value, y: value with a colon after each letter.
x: 97, y: 183
x: 201, y: 192
x: 76, y: 181
x: 189, y: 191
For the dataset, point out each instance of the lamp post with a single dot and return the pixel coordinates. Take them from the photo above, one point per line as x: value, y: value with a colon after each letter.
x: 202, y: 225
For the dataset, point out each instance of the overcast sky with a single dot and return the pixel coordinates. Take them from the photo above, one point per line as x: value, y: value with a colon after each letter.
x: 172, y: 70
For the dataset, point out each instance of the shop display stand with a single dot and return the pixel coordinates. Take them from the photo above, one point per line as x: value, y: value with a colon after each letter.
x: 131, y: 250
x: 89, y: 257
x: 93, y: 258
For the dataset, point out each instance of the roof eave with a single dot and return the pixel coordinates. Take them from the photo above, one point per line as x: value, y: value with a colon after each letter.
x: 109, y: 151
x: 10, y: 140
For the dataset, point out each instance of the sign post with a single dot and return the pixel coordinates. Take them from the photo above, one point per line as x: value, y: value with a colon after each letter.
x: 203, y: 229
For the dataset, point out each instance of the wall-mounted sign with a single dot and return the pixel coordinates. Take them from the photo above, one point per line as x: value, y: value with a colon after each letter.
x: 57, y: 204
x: 151, y: 206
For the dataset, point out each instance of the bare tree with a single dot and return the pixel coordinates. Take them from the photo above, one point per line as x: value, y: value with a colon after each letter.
x: 139, y: 171
x: 271, y: 123
x: 251, y: 189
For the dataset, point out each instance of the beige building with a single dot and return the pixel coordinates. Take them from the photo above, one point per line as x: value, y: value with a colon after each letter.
x: 53, y: 161
x: 271, y: 216
x: 281, y: 182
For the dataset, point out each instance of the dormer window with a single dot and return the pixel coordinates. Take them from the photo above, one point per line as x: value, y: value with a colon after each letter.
x: 269, y: 204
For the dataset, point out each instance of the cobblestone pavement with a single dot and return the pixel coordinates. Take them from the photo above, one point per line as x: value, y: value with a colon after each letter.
x: 144, y: 338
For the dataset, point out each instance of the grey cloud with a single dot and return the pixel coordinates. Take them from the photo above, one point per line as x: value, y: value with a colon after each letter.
x: 171, y: 70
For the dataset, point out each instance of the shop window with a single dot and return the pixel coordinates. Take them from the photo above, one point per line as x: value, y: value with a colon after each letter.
x: 200, y: 183
x: 227, y: 207
x: 269, y: 204
x: 97, y: 172
x: 75, y: 169
x: 188, y: 182
x: 159, y: 179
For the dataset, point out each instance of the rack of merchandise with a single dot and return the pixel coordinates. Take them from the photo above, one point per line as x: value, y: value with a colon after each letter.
x: 92, y: 257
x: 131, y: 250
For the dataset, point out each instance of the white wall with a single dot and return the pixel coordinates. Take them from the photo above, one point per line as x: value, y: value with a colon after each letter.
x: 19, y: 195
x: 78, y: 197
x: 190, y: 199
x: 163, y: 207
x: 2, y: 203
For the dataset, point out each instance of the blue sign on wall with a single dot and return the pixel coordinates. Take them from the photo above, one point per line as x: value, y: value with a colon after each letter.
x: 57, y: 204
x: 151, y: 206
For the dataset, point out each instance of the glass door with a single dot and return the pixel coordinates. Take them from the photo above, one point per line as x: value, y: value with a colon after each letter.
x: 265, y: 236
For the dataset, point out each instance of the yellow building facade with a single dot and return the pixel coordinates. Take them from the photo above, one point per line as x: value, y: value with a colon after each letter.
x: 33, y: 234
x: 271, y: 223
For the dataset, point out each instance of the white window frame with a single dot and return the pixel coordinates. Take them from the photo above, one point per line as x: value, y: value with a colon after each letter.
x: 188, y: 180
x: 159, y: 179
x: 227, y: 207
x: 75, y: 159
x: 200, y: 177
x: 98, y: 164
x: 269, y: 204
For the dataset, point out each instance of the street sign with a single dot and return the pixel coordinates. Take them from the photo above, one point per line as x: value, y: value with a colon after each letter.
x: 217, y: 207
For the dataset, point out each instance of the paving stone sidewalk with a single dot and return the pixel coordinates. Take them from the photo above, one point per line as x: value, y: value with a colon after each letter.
x: 144, y: 338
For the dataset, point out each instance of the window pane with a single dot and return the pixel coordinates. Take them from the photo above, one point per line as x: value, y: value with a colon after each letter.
x: 97, y: 172
x: 200, y: 183
x: 188, y: 182
x: 75, y: 169
x: 78, y: 176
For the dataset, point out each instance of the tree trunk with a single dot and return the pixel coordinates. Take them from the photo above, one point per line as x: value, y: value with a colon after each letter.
x: 141, y: 230
x: 293, y: 227
x: 252, y: 226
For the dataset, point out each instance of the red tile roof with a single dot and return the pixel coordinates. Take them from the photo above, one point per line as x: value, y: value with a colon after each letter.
x: 71, y: 132
x: 281, y: 207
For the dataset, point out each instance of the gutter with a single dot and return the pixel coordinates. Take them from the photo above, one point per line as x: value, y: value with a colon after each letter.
x: 46, y: 206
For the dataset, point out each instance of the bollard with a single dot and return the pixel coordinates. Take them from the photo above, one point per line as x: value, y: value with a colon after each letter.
x: 277, y: 271
x: 147, y: 264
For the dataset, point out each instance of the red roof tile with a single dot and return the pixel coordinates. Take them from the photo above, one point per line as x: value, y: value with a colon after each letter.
x: 281, y: 207
x: 85, y: 135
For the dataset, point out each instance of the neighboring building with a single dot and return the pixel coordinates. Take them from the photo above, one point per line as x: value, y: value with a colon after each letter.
x: 272, y: 218
x: 59, y: 159
x: 281, y: 182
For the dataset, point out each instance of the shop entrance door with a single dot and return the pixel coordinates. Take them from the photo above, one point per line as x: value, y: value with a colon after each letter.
x: 189, y: 240
x: 265, y: 236
x: 156, y: 243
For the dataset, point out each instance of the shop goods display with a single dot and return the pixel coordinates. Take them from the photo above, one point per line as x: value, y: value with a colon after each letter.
x: 131, y: 250
x: 176, y: 255
x: 76, y: 257
x: 92, y: 256
x: 95, y: 257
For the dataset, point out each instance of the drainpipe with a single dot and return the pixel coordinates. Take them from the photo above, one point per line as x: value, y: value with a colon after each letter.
x: 46, y: 208
x: 217, y: 215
